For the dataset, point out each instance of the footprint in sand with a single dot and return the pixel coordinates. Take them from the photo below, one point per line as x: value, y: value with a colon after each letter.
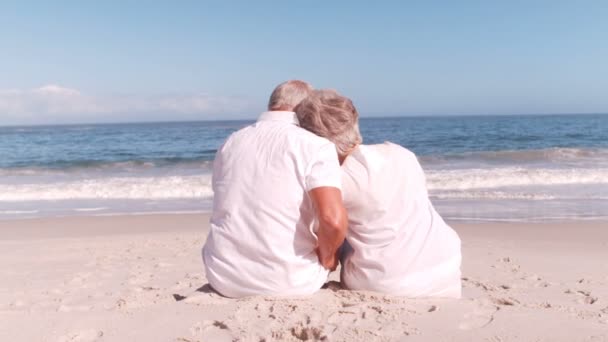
x: 478, y: 284
x: 211, y: 331
x: 182, y: 285
x: 505, y: 301
x: 140, y: 278
x: 584, y: 296
x: 204, y: 299
x: 587, y: 297
x: 481, y: 316
x: 162, y: 265
x: 204, y: 295
x: 279, y: 320
x: 307, y: 333
x: 369, y: 318
x: 82, y: 336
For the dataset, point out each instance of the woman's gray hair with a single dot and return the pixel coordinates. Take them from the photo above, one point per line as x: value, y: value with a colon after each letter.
x: 287, y: 95
x: 333, y: 116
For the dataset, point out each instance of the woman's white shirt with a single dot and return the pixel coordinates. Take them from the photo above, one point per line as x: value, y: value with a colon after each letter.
x: 400, y: 244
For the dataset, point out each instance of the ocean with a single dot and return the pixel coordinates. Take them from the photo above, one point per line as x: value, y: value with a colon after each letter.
x: 478, y: 168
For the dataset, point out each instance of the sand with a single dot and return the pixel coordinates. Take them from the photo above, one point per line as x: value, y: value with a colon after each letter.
x: 140, y: 278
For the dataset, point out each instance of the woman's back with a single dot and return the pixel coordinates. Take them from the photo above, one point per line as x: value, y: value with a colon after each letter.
x: 400, y: 243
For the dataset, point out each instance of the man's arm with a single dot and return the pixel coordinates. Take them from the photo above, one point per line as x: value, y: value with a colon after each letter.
x: 333, y: 223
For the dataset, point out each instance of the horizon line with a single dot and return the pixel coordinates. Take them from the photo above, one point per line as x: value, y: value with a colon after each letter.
x: 383, y: 116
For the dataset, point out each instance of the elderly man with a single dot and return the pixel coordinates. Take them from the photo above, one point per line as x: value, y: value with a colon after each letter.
x: 278, y: 218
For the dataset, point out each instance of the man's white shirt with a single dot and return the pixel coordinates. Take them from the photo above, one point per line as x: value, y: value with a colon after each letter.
x: 263, y: 234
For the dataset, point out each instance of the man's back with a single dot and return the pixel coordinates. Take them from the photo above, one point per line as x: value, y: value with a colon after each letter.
x: 261, y: 239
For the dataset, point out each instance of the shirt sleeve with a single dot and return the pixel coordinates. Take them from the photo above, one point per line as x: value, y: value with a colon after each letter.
x: 324, y: 169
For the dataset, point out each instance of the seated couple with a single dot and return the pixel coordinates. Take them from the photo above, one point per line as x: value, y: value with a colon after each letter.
x: 291, y: 188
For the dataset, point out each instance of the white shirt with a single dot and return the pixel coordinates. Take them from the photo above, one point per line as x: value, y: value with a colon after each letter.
x: 400, y: 244
x: 262, y: 237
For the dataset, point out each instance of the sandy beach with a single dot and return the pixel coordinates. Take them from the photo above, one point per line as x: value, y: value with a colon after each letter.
x: 140, y: 278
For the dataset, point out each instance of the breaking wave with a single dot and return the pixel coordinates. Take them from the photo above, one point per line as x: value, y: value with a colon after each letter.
x: 139, y: 188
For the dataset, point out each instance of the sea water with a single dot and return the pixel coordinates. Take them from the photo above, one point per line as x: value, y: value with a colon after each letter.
x: 478, y: 168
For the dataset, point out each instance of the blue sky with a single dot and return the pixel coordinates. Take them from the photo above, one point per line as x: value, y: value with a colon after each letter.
x: 77, y: 61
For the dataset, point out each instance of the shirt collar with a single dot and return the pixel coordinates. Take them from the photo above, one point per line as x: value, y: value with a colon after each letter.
x: 279, y: 115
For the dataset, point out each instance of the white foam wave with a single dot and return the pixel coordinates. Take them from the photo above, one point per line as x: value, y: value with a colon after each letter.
x: 497, y: 183
x: 158, y: 212
x: 467, y: 179
x: 496, y: 195
x: 549, y: 154
x: 555, y: 155
x: 129, y: 166
x: 90, y: 209
x: 18, y: 212
x: 138, y: 188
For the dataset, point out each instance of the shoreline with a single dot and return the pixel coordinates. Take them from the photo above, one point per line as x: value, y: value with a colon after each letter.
x: 41, y: 227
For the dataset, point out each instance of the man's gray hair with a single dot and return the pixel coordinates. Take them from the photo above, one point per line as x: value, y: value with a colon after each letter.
x: 287, y: 95
x: 333, y: 116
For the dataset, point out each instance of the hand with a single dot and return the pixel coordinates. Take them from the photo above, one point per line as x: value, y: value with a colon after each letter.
x: 328, y: 263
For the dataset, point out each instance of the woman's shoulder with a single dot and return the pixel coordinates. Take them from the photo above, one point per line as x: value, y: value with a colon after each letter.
x: 380, y: 159
x: 390, y: 150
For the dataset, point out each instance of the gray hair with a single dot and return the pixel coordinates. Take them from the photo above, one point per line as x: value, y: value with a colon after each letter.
x: 333, y: 116
x: 287, y: 95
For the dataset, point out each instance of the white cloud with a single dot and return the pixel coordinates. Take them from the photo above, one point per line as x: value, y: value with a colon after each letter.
x: 57, y: 104
x: 55, y: 90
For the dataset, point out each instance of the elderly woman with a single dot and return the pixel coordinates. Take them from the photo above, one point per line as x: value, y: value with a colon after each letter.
x: 398, y: 242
